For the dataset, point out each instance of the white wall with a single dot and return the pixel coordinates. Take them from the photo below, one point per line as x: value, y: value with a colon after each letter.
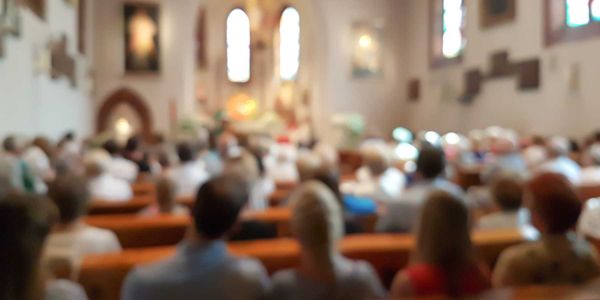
x: 326, y: 27
x: 552, y: 109
x: 33, y: 103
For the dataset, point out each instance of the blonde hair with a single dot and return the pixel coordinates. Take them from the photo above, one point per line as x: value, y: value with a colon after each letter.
x: 317, y: 222
x: 308, y: 165
x: 245, y: 167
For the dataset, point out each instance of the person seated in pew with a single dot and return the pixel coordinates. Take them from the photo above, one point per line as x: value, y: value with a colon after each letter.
x: 402, y: 215
x: 323, y: 272
x: 202, y: 268
x: 504, y: 157
x: 120, y: 167
x: 101, y: 183
x: 25, y: 222
x: 590, y: 175
x: 507, y: 194
x: 560, y: 256
x: 444, y: 261
x: 190, y: 174
x: 377, y: 179
x: 133, y: 153
x: 558, y: 149
x: 166, y: 201
x: 589, y: 222
x: 71, y: 238
x: 247, y: 167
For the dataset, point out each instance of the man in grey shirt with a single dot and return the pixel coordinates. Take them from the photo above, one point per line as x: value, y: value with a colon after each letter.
x: 202, y: 268
x: 402, y: 215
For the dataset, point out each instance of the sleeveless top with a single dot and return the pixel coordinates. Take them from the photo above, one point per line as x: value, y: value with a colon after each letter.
x: 427, y: 280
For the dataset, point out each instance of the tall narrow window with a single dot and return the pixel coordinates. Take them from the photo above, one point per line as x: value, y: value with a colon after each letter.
x: 570, y: 20
x: 238, y: 46
x: 448, y: 39
x: 289, y: 45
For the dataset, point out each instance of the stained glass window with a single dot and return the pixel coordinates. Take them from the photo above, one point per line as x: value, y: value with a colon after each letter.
x: 578, y: 13
x: 453, y: 40
x: 289, y: 45
x: 595, y: 8
x: 238, y: 46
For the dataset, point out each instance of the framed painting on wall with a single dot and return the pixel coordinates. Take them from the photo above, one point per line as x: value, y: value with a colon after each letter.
x: 496, y: 12
x: 10, y: 21
x: 367, y: 49
x: 142, y: 38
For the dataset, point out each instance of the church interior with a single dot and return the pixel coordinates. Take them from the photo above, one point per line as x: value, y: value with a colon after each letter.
x: 299, y: 149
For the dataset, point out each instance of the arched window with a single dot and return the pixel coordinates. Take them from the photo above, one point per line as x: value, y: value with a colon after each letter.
x: 238, y: 46
x: 289, y: 44
x: 448, y: 39
x: 570, y: 20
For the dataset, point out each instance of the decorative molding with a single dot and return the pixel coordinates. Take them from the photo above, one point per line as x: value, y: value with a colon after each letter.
x: 527, y: 73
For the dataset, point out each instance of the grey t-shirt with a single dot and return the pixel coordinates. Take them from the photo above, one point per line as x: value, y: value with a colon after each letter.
x: 355, y: 281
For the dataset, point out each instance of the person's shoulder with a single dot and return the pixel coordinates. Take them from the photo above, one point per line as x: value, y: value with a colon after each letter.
x: 64, y: 290
x: 521, y: 254
x: 246, y: 267
x: 155, y: 273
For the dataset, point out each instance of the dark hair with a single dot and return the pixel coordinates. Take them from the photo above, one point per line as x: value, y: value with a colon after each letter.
x: 331, y: 178
x: 133, y: 143
x: 25, y: 222
x: 185, y: 152
x: 555, y: 201
x: 71, y: 196
x: 111, y: 147
x: 44, y: 144
x: 10, y: 144
x: 218, y: 204
x: 431, y: 162
x: 69, y: 136
x: 507, y: 193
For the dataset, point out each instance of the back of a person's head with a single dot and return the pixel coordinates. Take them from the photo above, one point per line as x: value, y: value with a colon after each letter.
x: 25, y: 222
x: 507, y: 193
x: 308, y: 165
x: 112, y: 147
x: 96, y: 162
x: 330, y: 177
x: 10, y: 144
x: 554, y: 204
x: 317, y: 220
x: 71, y: 196
x: 245, y: 166
x: 165, y: 193
x: 376, y: 160
x: 133, y: 144
x: 443, y: 235
x: 185, y: 152
x: 431, y: 162
x: 558, y: 146
x: 218, y: 204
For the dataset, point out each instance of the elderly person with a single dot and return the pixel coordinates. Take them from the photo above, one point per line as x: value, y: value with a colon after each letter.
x: 560, y: 256
x: 120, y: 167
x: 102, y: 184
x: 323, y: 272
x: 559, y: 161
x: 505, y: 157
x: 377, y: 179
x: 72, y: 238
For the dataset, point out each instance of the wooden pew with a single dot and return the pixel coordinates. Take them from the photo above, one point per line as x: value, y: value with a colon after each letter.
x: 143, y: 188
x: 588, y: 192
x: 100, y: 207
x: 102, y: 275
x: 137, y: 231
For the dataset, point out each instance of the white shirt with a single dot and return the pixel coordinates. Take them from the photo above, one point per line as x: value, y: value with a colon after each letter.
x: 39, y: 165
x: 259, y: 194
x: 589, y: 221
x: 590, y: 176
x: 386, y: 188
x: 108, y: 188
x: 64, y: 290
x: 83, y: 240
x: 189, y: 177
x: 563, y: 165
x: 505, y: 220
x: 124, y: 169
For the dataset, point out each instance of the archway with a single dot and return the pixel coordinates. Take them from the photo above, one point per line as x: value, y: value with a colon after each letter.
x: 127, y: 97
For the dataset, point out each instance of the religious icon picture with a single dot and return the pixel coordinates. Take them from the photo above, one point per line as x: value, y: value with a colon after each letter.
x: 10, y: 22
x: 367, y: 50
x: 497, y: 12
x: 142, y: 38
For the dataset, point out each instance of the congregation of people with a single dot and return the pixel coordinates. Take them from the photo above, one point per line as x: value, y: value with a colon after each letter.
x: 527, y: 183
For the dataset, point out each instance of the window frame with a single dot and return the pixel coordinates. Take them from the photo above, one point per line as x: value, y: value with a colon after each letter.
x: 250, y: 47
x: 297, y: 75
x: 566, y: 34
x: 440, y: 61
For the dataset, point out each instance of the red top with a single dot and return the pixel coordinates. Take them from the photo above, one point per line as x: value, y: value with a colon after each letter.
x: 428, y: 280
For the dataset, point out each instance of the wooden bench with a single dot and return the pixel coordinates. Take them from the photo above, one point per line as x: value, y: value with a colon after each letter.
x: 102, y: 275
x: 138, y: 231
x: 588, y: 192
x: 143, y: 188
x: 100, y: 207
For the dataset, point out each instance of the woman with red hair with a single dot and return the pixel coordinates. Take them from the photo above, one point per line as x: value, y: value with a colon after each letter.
x: 560, y: 256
